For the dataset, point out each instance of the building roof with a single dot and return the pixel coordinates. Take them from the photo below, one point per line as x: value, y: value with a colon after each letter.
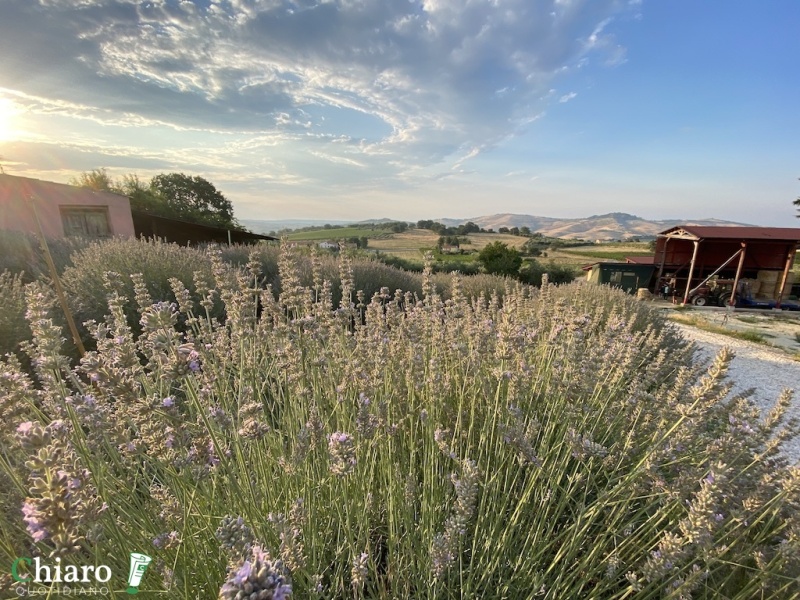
x: 697, y: 232
x: 641, y: 260
x: 63, y: 193
x: 186, y: 232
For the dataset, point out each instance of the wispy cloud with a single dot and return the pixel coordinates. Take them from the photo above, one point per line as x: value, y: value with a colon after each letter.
x: 402, y: 85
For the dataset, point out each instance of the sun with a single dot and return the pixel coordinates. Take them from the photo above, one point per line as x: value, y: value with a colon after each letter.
x: 7, y: 113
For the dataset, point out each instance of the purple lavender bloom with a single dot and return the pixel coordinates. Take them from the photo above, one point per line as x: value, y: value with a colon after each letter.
x: 34, y: 522
x: 25, y: 428
x: 258, y: 577
x: 168, y: 402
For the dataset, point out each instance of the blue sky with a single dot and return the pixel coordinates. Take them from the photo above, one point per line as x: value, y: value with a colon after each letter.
x: 355, y: 109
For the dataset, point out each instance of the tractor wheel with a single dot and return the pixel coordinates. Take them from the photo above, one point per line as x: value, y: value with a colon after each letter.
x: 725, y: 300
x: 700, y: 300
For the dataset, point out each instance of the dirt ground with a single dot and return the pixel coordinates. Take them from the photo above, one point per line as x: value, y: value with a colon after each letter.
x: 777, y: 328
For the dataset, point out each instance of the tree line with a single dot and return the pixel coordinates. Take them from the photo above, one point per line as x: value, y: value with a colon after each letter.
x: 172, y: 195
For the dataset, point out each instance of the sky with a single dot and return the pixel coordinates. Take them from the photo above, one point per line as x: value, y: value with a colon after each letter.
x: 416, y: 109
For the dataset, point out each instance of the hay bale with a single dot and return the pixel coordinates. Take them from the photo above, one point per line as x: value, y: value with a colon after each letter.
x: 643, y: 294
x: 768, y: 277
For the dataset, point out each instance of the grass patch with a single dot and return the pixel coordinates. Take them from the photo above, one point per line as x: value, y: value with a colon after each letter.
x: 608, y: 255
x: 749, y: 320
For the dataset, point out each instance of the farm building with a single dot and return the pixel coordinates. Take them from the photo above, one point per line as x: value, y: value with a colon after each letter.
x: 627, y: 276
x: 690, y: 255
x: 71, y: 211
x: 62, y: 210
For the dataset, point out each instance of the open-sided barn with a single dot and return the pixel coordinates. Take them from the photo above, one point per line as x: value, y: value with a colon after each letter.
x: 689, y: 255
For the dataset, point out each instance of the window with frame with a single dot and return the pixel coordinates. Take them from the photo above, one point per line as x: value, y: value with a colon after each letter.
x: 85, y: 222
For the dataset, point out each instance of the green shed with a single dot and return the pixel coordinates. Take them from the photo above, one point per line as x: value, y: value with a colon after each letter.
x: 628, y: 276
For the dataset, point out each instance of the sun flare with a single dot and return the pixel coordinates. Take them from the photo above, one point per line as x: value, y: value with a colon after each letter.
x: 7, y: 114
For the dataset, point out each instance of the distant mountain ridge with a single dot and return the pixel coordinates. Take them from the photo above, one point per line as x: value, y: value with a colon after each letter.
x: 610, y: 226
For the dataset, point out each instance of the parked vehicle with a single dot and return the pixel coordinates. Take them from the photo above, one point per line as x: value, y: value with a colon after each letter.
x: 716, y: 292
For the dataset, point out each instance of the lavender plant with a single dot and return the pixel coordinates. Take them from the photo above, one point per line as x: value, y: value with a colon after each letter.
x: 13, y: 326
x: 556, y: 443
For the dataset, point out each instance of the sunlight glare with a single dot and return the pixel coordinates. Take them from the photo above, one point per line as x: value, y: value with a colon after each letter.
x: 7, y: 113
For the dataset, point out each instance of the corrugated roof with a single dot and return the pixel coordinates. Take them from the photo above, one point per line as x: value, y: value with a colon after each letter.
x: 641, y: 260
x: 182, y: 232
x: 776, y: 234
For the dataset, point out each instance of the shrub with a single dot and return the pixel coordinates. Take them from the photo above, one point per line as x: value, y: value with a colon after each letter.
x: 157, y: 261
x: 497, y: 258
x: 368, y: 275
x: 13, y: 326
x: 558, y: 442
x: 532, y: 272
x: 21, y: 253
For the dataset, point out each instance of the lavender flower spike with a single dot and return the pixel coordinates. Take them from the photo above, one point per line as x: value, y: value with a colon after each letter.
x: 258, y: 578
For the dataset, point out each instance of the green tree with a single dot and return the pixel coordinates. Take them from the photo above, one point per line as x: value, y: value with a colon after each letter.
x: 97, y: 179
x: 143, y: 198
x: 194, y: 199
x: 497, y: 258
x: 532, y: 271
x: 171, y: 195
x: 533, y: 247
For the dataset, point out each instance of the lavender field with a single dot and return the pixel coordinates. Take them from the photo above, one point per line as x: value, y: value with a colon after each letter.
x: 271, y: 434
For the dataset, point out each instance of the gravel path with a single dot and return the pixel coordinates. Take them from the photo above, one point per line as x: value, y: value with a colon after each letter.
x: 754, y: 366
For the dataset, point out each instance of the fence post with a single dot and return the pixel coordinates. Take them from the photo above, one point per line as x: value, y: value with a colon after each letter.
x: 62, y: 297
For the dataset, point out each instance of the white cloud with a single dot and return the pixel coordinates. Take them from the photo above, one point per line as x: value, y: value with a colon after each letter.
x: 567, y: 97
x: 407, y: 84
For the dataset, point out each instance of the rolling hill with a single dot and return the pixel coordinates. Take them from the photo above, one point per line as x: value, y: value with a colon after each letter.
x: 611, y: 226
x: 597, y: 227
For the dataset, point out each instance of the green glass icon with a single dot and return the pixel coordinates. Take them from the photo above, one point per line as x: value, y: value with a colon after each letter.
x: 139, y: 564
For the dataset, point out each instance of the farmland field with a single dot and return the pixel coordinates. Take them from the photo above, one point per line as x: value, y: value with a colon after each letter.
x: 410, y: 244
x: 335, y: 234
x: 581, y: 255
x: 407, y: 244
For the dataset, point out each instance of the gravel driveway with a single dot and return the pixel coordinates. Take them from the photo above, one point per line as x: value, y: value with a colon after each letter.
x: 754, y: 366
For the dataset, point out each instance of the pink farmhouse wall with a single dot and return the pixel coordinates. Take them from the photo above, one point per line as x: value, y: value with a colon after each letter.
x: 16, y: 213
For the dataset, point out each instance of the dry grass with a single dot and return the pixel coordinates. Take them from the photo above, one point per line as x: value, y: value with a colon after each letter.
x: 479, y: 240
x: 406, y: 244
x: 635, y: 248
x: 410, y: 243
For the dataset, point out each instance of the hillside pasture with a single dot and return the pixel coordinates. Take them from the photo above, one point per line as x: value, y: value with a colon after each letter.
x: 408, y: 244
x: 335, y: 234
x: 481, y: 240
x: 412, y: 244
x: 581, y: 255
